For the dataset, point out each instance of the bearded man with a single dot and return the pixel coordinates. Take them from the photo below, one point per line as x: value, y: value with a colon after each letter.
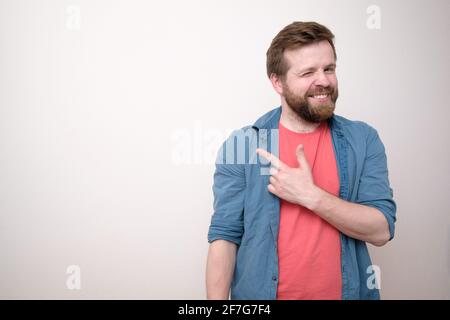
x: 299, y: 231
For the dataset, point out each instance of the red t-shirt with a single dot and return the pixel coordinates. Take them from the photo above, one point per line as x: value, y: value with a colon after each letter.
x: 309, y: 248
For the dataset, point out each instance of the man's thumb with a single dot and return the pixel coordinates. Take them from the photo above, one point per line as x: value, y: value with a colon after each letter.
x: 301, y: 158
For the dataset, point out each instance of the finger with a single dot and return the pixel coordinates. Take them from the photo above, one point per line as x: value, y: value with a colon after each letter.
x: 272, y: 180
x: 301, y: 158
x: 271, y: 188
x: 273, y: 171
x: 277, y: 163
x: 265, y: 154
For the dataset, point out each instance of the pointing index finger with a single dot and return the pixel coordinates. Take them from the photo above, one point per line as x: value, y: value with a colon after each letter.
x: 270, y: 157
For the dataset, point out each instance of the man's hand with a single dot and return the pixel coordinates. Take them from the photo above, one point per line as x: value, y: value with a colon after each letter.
x: 295, y: 185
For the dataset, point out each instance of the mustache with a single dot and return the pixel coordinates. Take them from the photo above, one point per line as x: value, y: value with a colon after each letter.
x: 321, y: 90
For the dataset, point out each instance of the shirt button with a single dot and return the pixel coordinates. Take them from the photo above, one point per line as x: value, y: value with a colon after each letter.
x: 274, y: 278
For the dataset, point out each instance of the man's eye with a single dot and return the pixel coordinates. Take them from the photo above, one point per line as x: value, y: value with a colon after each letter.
x: 329, y: 70
x: 306, y: 74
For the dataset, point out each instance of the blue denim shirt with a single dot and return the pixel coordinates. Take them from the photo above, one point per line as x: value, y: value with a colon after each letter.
x: 246, y: 213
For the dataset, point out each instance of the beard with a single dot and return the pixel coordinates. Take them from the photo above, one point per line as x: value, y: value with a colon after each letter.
x: 307, y: 111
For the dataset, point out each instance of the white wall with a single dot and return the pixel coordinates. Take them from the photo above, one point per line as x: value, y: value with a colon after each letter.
x: 108, y: 120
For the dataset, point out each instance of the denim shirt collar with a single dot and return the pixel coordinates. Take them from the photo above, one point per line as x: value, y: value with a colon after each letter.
x: 269, y: 121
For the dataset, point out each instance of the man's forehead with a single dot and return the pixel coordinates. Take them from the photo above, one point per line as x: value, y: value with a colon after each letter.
x: 318, y: 53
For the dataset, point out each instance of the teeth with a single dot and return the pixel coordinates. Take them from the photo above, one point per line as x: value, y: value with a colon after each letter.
x: 322, y: 96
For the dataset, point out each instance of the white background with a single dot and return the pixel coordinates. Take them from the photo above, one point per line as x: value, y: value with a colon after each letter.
x: 92, y: 108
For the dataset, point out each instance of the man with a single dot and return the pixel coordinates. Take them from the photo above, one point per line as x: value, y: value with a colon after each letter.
x: 298, y: 230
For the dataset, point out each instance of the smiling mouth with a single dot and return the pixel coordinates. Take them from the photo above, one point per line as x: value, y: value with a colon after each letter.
x: 320, y: 96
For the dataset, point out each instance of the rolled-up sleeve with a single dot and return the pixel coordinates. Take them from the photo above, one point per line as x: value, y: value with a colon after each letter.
x: 374, y: 188
x: 227, y: 222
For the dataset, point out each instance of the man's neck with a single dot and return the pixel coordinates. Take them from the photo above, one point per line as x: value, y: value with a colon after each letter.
x: 292, y: 121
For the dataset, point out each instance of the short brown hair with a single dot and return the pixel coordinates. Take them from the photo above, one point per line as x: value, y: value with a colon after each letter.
x: 293, y: 36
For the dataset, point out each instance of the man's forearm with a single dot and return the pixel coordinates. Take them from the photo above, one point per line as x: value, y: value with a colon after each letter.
x: 357, y: 221
x: 219, y: 269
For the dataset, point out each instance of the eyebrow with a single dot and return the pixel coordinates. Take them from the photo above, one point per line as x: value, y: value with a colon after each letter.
x: 333, y: 65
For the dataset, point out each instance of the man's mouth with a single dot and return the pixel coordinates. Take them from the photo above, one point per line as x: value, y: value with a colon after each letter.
x: 320, y: 96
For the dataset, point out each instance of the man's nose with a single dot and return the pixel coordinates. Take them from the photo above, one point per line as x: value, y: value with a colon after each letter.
x: 322, y: 79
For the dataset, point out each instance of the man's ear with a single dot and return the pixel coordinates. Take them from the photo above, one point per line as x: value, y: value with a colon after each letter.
x: 276, y: 83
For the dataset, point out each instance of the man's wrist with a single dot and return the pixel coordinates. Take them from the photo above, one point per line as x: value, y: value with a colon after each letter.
x: 315, y: 199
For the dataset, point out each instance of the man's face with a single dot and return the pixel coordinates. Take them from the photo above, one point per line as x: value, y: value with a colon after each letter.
x: 310, y: 86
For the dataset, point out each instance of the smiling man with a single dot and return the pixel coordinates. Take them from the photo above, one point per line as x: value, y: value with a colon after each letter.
x: 300, y: 232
